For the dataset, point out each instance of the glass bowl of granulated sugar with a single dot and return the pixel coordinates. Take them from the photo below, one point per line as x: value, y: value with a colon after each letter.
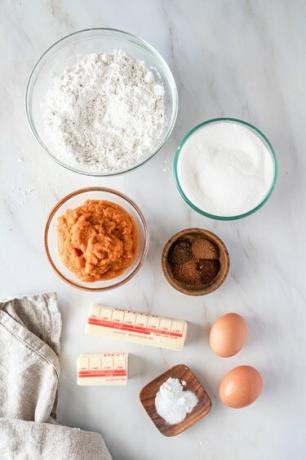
x: 101, y: 101
x: 225, y: 168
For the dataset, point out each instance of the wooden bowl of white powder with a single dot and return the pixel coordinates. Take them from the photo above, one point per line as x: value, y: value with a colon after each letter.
x: 225, y: 168
x: 101, y: 101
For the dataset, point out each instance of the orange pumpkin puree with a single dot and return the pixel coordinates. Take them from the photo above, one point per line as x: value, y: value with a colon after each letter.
x: 97, y: 241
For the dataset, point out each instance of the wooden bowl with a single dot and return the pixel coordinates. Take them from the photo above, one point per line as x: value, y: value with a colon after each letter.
x: 223, y: 259
x: 148, y: 393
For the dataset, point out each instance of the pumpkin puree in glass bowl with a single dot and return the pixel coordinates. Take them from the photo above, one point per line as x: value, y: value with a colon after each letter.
x: 97, y: 240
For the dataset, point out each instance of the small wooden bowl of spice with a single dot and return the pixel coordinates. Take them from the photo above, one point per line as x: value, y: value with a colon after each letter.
x: 195, y: 261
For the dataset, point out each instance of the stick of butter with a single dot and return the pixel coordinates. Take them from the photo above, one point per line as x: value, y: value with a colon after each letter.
x: 137, y: 327
x: 102, y: 369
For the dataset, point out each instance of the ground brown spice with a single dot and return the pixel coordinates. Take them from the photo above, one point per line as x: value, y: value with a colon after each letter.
x: 208, y: 269
x: 204, y: 249
x: 188, y: 272
x: 194, y: 261
x: 181, y: 252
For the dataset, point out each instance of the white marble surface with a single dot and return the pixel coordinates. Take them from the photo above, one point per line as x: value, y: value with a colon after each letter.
x: 242, y: 58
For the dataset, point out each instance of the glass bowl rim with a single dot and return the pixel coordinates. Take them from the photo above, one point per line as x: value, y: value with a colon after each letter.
x: 143, y: 254
x: 260, y: 134
x: 145, y: 45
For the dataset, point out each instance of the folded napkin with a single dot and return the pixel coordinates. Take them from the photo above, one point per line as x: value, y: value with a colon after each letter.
x: 30, y: 330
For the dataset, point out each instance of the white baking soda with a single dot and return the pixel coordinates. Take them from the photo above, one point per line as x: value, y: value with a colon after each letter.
x: 173, y: 403
x: 225, y: 169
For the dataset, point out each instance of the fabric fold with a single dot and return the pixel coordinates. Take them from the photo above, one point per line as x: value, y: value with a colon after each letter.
x: 30, y: 330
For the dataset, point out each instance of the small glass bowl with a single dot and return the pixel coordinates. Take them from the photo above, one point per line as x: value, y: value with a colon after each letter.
x: 64, y: 53
x: 75, y: 199
x: 262, y: 137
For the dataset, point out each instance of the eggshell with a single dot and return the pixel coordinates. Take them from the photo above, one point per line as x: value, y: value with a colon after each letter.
x: 240, y: 387
x: 228, y: 334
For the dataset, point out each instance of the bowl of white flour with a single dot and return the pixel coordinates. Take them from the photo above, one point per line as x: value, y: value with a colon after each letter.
x: 225, y: 168
x: 101, y: 101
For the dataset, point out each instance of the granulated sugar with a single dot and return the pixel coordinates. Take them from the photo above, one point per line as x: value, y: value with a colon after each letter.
x: 225, y: 169
x: 106, y: 112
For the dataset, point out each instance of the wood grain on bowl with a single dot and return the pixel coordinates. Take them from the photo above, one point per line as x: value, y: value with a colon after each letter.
x: 148, y: 393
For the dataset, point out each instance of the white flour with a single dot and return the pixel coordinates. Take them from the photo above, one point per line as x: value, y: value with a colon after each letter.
x: 106, y: 112
x: 172, y: 403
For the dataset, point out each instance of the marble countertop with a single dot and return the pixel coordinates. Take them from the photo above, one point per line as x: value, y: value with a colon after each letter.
x: 243, y: 59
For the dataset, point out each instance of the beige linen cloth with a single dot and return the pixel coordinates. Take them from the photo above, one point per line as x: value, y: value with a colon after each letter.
x: 30, y: 330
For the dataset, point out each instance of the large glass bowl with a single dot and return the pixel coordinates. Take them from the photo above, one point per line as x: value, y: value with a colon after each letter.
x: 64, y: 53
x: 75, y: 199
x: 263, y: 138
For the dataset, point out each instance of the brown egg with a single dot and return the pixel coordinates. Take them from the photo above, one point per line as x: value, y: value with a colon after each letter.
x: 227, y: 335
x: 240, y: 387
